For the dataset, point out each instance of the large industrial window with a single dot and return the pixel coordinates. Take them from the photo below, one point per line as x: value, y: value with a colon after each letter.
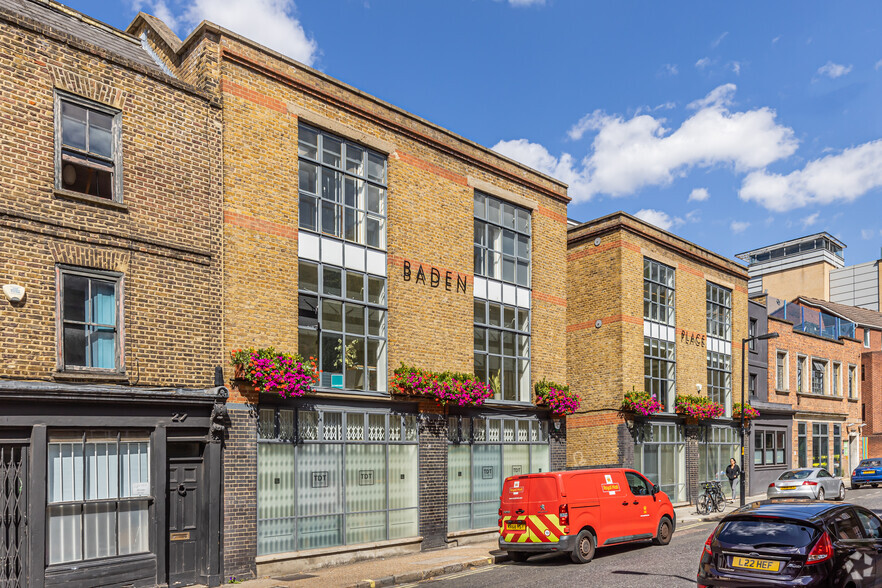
x: 89, y: 303
x: 335, y: 477
x: 502, y: 349
x: 660, y: 453
x: 88, y: 152
x: 481, y: 453
x: 719, y: 379
x: 719, y: 312
x: 342, y: 188
x: 502, y: 241
x: 717, y: 445
x: 342, y: 324
x: 98, y: 492
x: 658, y: 292
x: 660, y: 370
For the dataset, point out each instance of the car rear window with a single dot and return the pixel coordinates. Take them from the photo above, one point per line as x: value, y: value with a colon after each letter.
x: 871, y: 463
x: 759, y: 532
x: 795, y: 475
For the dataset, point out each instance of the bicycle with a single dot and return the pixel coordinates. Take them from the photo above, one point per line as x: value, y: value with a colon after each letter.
x: 712, y: 498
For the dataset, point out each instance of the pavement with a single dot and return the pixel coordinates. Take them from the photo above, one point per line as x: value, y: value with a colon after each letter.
x: 412, y: 568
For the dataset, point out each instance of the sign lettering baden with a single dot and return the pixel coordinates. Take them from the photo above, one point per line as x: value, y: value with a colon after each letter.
x: 434, y: 277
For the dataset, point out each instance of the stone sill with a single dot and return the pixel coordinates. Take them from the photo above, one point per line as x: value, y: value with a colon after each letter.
x: 89, y: 199
x: 824, y: 396
x: 324, y: 551
x: 782, y: 392
x: 855, y: 400
x: 88, y: 376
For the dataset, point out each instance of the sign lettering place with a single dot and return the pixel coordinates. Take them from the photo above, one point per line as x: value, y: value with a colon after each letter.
x: 435, y: 277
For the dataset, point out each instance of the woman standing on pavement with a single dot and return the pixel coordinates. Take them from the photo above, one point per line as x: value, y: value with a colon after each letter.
x: 732, y: 472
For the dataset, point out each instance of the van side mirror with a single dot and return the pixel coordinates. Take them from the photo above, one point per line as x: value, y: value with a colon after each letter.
x: 655, y: 489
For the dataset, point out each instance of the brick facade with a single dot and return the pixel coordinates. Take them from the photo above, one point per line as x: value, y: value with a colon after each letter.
x: 871, y: 400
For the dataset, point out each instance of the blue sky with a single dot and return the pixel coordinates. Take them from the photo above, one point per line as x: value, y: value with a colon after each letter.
x: 735, y: 125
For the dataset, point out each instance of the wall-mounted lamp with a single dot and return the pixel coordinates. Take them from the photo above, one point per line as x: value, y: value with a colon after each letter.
x: 698, y: 387
x: 14, y: 292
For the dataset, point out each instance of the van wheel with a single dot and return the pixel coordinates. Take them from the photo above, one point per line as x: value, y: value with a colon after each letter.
x: 519, y: 556
x: 665, y: 532
x: 584, y: 551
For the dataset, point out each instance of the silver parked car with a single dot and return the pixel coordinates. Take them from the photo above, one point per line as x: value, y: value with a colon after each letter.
x: 815, y: 483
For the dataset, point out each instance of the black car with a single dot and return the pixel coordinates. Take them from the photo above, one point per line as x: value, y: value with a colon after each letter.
x: 794, y: 542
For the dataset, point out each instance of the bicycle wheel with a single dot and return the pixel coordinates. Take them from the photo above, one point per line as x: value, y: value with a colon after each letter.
x: 720, y: 502
x: 703, y: 505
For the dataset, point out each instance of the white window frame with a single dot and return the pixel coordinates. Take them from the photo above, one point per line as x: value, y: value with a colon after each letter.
x: 866, y: 337
x: 836, y: 379
x: 786, y: 377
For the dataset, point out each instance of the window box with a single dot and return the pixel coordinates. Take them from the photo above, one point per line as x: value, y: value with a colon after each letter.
x: 558, y: 398
x: 698, y: 407
x: 639, y: 403
x: 443, y: 387
x: 268, y: 370
x: 749, y: 412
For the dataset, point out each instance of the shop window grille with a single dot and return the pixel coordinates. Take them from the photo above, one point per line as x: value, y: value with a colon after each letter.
x: 13, y: 520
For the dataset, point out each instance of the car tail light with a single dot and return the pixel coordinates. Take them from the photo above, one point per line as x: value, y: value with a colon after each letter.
x: 854, y: 473
x: 772, y: 485
x: 809, y: 483
x: 822, y: 551
x: 563, y: 512
x: 707, y: 544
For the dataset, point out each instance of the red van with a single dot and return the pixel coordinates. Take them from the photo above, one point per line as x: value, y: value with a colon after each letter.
x: 578, y: 511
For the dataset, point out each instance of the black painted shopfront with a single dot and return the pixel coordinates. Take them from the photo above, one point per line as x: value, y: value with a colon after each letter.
x: 104, y: 485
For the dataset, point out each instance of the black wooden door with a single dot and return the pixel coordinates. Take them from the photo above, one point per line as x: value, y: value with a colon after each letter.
x: 185, y: 545
x: 13, y: 515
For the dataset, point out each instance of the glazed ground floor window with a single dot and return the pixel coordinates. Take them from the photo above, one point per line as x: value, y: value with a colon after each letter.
x: 820, y: 445
x: 716, y: 446
x: 660, y: 454
x: 769, y: 447
x: 481, y: 453
x: 98, y: 492
x: 335, y: 477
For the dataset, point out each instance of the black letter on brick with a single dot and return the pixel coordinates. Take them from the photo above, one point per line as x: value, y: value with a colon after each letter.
x: 421, y: 275
x: 447, y: 280
x: 436, y: 278
x: 460, y: 283
x: 406, y: 271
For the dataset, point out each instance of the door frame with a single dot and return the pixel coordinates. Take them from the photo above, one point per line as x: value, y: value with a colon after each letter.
x: 202, y: 531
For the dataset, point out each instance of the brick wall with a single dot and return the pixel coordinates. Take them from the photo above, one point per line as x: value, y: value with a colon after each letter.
x: 871, y: 400
x: 433, y: 476
x: 240, y: 493
x: 165, y: 237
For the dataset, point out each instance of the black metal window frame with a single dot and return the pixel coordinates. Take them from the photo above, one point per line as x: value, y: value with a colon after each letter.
x: 63, y: 320
x: 801, y: 445
x: 719, y: 379
x: 118, y: 501
x: 503, y: 239
x: 662, y: 434
x: 766, y: 440
x: 659, y: 292
x: 820, y: 445
x: 719, y: 311
x: 752, y: 326
x: 751, y: 384
x: 502, y: 333
x: 84, y: 156
x: 716, y: 436
x: 345, y: 196
x: 312, y: 305
x: 306, y: 430
x: 837, y: 450
x: 660, y: 370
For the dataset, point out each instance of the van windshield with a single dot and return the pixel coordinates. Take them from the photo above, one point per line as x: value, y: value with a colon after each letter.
x: 796, y: 475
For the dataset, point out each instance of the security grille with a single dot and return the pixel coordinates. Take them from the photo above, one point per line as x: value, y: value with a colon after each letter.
x: 13, y: 516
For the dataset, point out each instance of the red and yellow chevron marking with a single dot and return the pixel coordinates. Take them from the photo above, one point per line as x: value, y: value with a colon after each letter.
x: 536, y: 527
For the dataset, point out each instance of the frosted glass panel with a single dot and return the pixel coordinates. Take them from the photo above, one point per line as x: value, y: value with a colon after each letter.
x: 318, y: 532
x: 459, y: 517
x: 65, y: 534
x: 515, y: 460
x: 403, y: 523
x: 403, y: 482
x: 65, y: 472
x: 486, y: 514
x: 133, y: 527
x: 365, y: 478
x: 275, y: 498
x: 487, y: 473
x: 102, y: 479
x: 365, y: 527
x: 99, y: 530
x: 459, y: 479
x: 540, y: 459
x: 319, y: 480
x: 134, y: 467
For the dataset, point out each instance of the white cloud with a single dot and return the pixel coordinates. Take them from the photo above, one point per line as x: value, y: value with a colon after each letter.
x: 834, y: 70
x: 878, y: 65
x: 842, y: 177
x: 738, y: 226
x: 735, y: 67
x: 658, y: 218
x: 671, y: 69
x: 693, y: 216
x: 627, y: 155
x: 273, y: 23
x: 810, y: 220
x: 703, y: 62
x: 867, y: 234
x: 716, y: 42
x: 699, y: 195
x: 526, y: 2
x: 776, y: 39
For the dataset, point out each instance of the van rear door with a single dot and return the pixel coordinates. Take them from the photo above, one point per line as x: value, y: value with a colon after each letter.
x: 530, y: 509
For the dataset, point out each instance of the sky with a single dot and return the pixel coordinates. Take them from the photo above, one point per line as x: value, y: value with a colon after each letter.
x: 732, y: 124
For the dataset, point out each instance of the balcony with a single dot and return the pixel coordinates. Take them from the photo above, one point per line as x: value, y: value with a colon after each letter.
x: 811, y: 321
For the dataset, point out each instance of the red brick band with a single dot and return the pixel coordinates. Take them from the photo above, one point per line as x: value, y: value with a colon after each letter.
x: 550, y: 299
x: 260, y: 225
x: 252, y: 96
x: 431, y: 168
x: 555, y: 216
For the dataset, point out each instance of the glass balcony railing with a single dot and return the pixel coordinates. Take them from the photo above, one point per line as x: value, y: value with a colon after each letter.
x: 812, y: 321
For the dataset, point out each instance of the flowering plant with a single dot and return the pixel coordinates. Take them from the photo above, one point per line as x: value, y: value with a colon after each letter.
x: 699, y: 407
x: 266, y: 369
x: 445, y: 387
x: 749, y: 411
x: 557, y: 397
x: 641, y: 402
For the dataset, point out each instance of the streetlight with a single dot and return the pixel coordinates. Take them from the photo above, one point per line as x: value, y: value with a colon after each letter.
x: 744, y: 343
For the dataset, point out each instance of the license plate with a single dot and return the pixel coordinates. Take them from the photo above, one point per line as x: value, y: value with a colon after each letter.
x: 789, y: 487
x: 868, y: 472
x: 749, y: 563
x: 519, y: 526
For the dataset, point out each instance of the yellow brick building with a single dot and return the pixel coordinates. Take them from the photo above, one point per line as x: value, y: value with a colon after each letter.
x: 640, y: 304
